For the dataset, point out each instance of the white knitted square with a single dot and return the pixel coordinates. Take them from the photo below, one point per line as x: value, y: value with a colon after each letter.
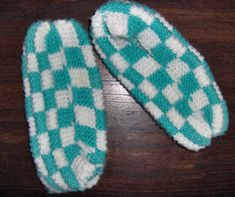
x: 142, y: 14
x: 63, y: 98
x: 198, y: 122
x: 56, y: 60
x: 146, y: 66
x: 60, y: 158
x: 32, y: 63
x: 67, y: 33
x: 172, y: 93
x: 85, y: 116
x: 26, y: 87
x: 101, y: 140
x: 40, y: 36
x: 147, y: 88
x: 176, y: 46
x: 119, y: 62
x: 32, y: 126
x: 202, y: 77
x: 82, y: 168
x: 176, y: 69
x: 218, y: 118
x: 41, y: 166
x: 97, y: 24
x: 175, y: 117
x: 154, y: 110
x: 38, y: 102
x: 67, y: 136
x: 88, y: 55
x: 218, y: 92
x: 148, y: 39
x: 98, y: 98
x: 51, y: 119
x: 119, y: 42
x: 117, y: 23
x: 188, y: 143
x: 58, y: 179
x: 79, y: 77
x: 126, y: 82
x: 199, y: 100
x: 44, y: 143
x: 46, y: 79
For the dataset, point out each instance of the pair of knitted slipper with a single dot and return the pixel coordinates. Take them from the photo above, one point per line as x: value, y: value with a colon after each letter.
x: 63, y: 89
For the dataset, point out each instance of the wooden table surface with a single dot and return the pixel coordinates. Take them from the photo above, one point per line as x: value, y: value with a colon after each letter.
x: 142, y: 160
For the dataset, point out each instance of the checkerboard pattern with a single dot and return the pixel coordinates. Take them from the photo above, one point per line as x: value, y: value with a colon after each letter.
x: 64, y: 106
x: 162, y: 71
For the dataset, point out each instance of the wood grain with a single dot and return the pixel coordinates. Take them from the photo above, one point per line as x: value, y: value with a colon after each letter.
x: 142, y: 159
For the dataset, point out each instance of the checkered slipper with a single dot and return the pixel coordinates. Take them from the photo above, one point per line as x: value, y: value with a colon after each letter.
x: 64, y: 106
x: 162, y: 71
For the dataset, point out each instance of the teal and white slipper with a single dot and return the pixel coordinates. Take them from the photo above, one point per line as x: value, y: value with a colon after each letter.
x: 162, y: 71
x: 64, y: 106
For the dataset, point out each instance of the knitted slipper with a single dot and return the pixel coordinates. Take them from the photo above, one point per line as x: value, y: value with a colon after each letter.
x: 162, y: 71
x: 64, y: 106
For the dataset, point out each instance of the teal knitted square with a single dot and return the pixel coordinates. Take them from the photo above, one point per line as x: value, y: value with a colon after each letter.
x: 106, y: 46
x: 160, y: 79
x: 132, y: 54
x: 132, y: 30
x: 49, y: 103
x: 133, y: 76
x: 79, y: 61
x: 40, y: 122
x: 162, y: 102
x: 191, y: 60
x: 35, y: 78
x: 158, y: 27
x: 163, y: 55
x: 183, y: 108
x: 42, y: 58
x: 189, y: 78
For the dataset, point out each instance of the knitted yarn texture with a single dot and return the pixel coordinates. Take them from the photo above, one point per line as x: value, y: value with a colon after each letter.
x: 162, y: 71
x: 64, y: 106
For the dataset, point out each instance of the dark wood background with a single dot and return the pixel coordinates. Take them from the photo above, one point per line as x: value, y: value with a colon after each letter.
x: 142, y: 159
